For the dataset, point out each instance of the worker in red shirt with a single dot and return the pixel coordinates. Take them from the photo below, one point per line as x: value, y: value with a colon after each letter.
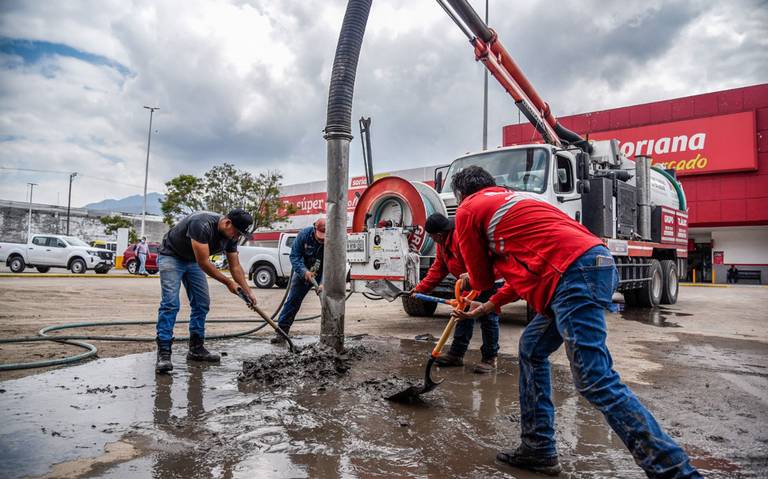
x: 447, y: 260
x: 568, y: 277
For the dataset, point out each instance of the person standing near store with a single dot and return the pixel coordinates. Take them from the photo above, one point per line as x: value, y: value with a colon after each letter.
x: 184, y: 258
x: 142, y: 252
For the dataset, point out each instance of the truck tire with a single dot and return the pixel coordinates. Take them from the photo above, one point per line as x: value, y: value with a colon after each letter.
x: 43, y: 269
x: 264, y: 276
x: 649, y: 295
x: 16, y: 263
x: 281, y: 283
x: 102, y: 270
x: 630, y: 298
x: 132, y: 266
x: 77, y: 266
x: 671, y: 283
x: 417, y: 307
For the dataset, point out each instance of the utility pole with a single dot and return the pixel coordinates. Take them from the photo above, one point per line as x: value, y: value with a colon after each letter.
x: 146, y: 168
x: 29, y: 223
x: 485, y: 94
x: 69, y: 200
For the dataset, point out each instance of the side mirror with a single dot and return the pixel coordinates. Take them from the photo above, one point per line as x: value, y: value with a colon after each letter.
x: 582, y: 187
x: 439, y: 181
x: 582, y: 166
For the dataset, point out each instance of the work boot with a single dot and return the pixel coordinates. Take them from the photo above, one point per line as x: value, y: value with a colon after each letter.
x: 163, y: 364
x: 279, y: 339
x: 197, y: 351
x: 486, y: 366
x: 524, y: 458
x: 449, y: 360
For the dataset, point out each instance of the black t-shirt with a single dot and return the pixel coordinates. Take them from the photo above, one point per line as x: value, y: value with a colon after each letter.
x: 202, y: 227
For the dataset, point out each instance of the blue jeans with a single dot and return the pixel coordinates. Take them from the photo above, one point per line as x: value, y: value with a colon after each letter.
x: 584, y: 291
x: 489, y: 327
x: 142, y: 263
x: 173, y: 273
x: 299, y: 289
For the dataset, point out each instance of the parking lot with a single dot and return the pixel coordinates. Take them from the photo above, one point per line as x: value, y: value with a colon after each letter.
x: 701, y: 365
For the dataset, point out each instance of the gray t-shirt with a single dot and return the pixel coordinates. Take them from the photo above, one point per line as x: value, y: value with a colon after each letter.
x: 202, y: 227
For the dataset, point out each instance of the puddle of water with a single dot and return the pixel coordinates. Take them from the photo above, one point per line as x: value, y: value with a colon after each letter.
x: 200, y: 422
x: 653, y: 316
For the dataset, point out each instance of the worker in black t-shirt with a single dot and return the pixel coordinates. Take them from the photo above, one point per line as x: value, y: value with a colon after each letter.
x: 184, y: 258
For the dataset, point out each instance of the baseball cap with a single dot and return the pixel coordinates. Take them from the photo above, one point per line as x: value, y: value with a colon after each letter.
x: 241, y: 220
x: 320, y: 228
x: 438, y: 223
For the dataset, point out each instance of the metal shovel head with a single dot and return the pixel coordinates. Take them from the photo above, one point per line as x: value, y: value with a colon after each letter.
x: 385, y: 289
x: 411, y: 394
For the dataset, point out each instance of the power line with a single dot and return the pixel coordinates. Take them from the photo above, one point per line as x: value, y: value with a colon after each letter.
x: 108, y: 180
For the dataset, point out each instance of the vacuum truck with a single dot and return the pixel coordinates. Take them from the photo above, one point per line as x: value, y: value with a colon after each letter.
x: 637, y: 209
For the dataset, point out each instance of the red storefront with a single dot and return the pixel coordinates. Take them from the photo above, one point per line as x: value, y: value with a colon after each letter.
x: 718, y: 145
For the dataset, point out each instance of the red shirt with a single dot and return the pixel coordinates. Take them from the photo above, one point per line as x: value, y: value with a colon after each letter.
x: 448, y: 260
x: 531, y: 242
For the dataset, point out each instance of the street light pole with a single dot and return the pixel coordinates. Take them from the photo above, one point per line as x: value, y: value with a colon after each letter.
x: 485, y: 94
x: 29, y: 223
x: 69, y: 198
x: 146, y: 168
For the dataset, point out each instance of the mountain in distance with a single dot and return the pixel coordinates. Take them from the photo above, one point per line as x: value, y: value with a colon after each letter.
x: 130, y: 204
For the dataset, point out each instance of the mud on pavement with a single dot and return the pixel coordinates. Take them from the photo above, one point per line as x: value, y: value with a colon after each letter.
x: 200, y: 421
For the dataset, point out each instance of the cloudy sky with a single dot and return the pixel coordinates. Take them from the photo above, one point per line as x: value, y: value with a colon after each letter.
x: 246, y: 82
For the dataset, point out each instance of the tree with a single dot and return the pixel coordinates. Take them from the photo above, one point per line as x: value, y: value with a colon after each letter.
x: 184, y: 196
x: 223, y: 188
x: 113, y: 222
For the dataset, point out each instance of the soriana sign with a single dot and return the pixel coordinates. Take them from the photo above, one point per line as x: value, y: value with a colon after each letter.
x: 707, y: 145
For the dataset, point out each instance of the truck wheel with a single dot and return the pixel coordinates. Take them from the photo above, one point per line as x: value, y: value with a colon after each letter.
x: 417, y: 307
x: 649, y: 295
x: 43, y: 269
x: 264, y: 276
x: 131, y: 266
x: 77, y: 266
x: 630, y: 298
x: 671, y: 283
x: 17, y: 264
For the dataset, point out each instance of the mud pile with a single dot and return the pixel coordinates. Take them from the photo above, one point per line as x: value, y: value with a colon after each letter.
x: 314, y: 363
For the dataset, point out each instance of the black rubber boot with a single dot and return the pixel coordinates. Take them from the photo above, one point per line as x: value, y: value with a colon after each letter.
x: 524, y: 458
x: 163, y: 364
x: 197, y: 351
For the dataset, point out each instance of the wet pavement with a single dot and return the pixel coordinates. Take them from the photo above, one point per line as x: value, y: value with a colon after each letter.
x: 115, y: 418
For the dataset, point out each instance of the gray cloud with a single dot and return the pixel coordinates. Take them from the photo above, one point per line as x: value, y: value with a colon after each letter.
x: 246, y: 82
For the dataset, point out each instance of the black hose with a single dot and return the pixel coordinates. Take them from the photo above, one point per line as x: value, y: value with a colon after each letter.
x: 572, y: 137
x: 339, y: 121
x: 91, y: 350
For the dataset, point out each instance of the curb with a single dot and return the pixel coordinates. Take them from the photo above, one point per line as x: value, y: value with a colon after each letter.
x: 705, y: 285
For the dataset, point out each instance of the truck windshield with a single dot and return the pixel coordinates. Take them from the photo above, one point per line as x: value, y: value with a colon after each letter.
x: 521, y: 170
x: 75, y: 241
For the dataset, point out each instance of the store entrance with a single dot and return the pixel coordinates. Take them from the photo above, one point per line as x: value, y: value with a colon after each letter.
x: 700, y: 262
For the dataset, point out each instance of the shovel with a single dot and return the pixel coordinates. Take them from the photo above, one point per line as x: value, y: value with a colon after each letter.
x: 412, y: 393
x: 266, y: 318
x: 387, y: 290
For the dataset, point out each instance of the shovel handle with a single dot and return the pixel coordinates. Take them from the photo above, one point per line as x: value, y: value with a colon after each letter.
x: 444, y: 337
x: 432, y: 299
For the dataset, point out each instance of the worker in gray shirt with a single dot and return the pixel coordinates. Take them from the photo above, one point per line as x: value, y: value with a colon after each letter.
x: 184, y: 258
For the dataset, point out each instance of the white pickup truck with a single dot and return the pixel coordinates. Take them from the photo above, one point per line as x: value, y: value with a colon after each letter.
x: 56, y: 251
x: 267, y: 267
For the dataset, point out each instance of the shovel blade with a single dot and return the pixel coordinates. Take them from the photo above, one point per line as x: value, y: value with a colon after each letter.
x: 385, y: 289
x: 411, y: 394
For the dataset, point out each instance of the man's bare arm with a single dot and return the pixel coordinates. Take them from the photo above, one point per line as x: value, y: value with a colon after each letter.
x: 202, y: 256
x: 236, y: 270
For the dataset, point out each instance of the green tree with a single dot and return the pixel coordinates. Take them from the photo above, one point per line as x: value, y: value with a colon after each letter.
x: 184, y: 196
x: 223, y: 188
x: 113, y: 222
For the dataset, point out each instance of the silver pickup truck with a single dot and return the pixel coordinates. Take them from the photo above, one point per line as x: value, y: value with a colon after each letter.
x: 44, y: 252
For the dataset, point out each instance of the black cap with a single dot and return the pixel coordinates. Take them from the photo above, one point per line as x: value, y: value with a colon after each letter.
x: 241, y: 219
x: 438, y: 223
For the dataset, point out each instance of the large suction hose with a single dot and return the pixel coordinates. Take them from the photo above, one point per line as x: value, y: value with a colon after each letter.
x: 338, y: 134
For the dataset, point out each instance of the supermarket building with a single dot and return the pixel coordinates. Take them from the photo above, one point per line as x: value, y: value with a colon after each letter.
x: 716, y: 142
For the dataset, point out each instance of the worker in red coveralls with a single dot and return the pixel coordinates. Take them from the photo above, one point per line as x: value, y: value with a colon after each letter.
x: 447, y: 260
x: 568, y: 277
